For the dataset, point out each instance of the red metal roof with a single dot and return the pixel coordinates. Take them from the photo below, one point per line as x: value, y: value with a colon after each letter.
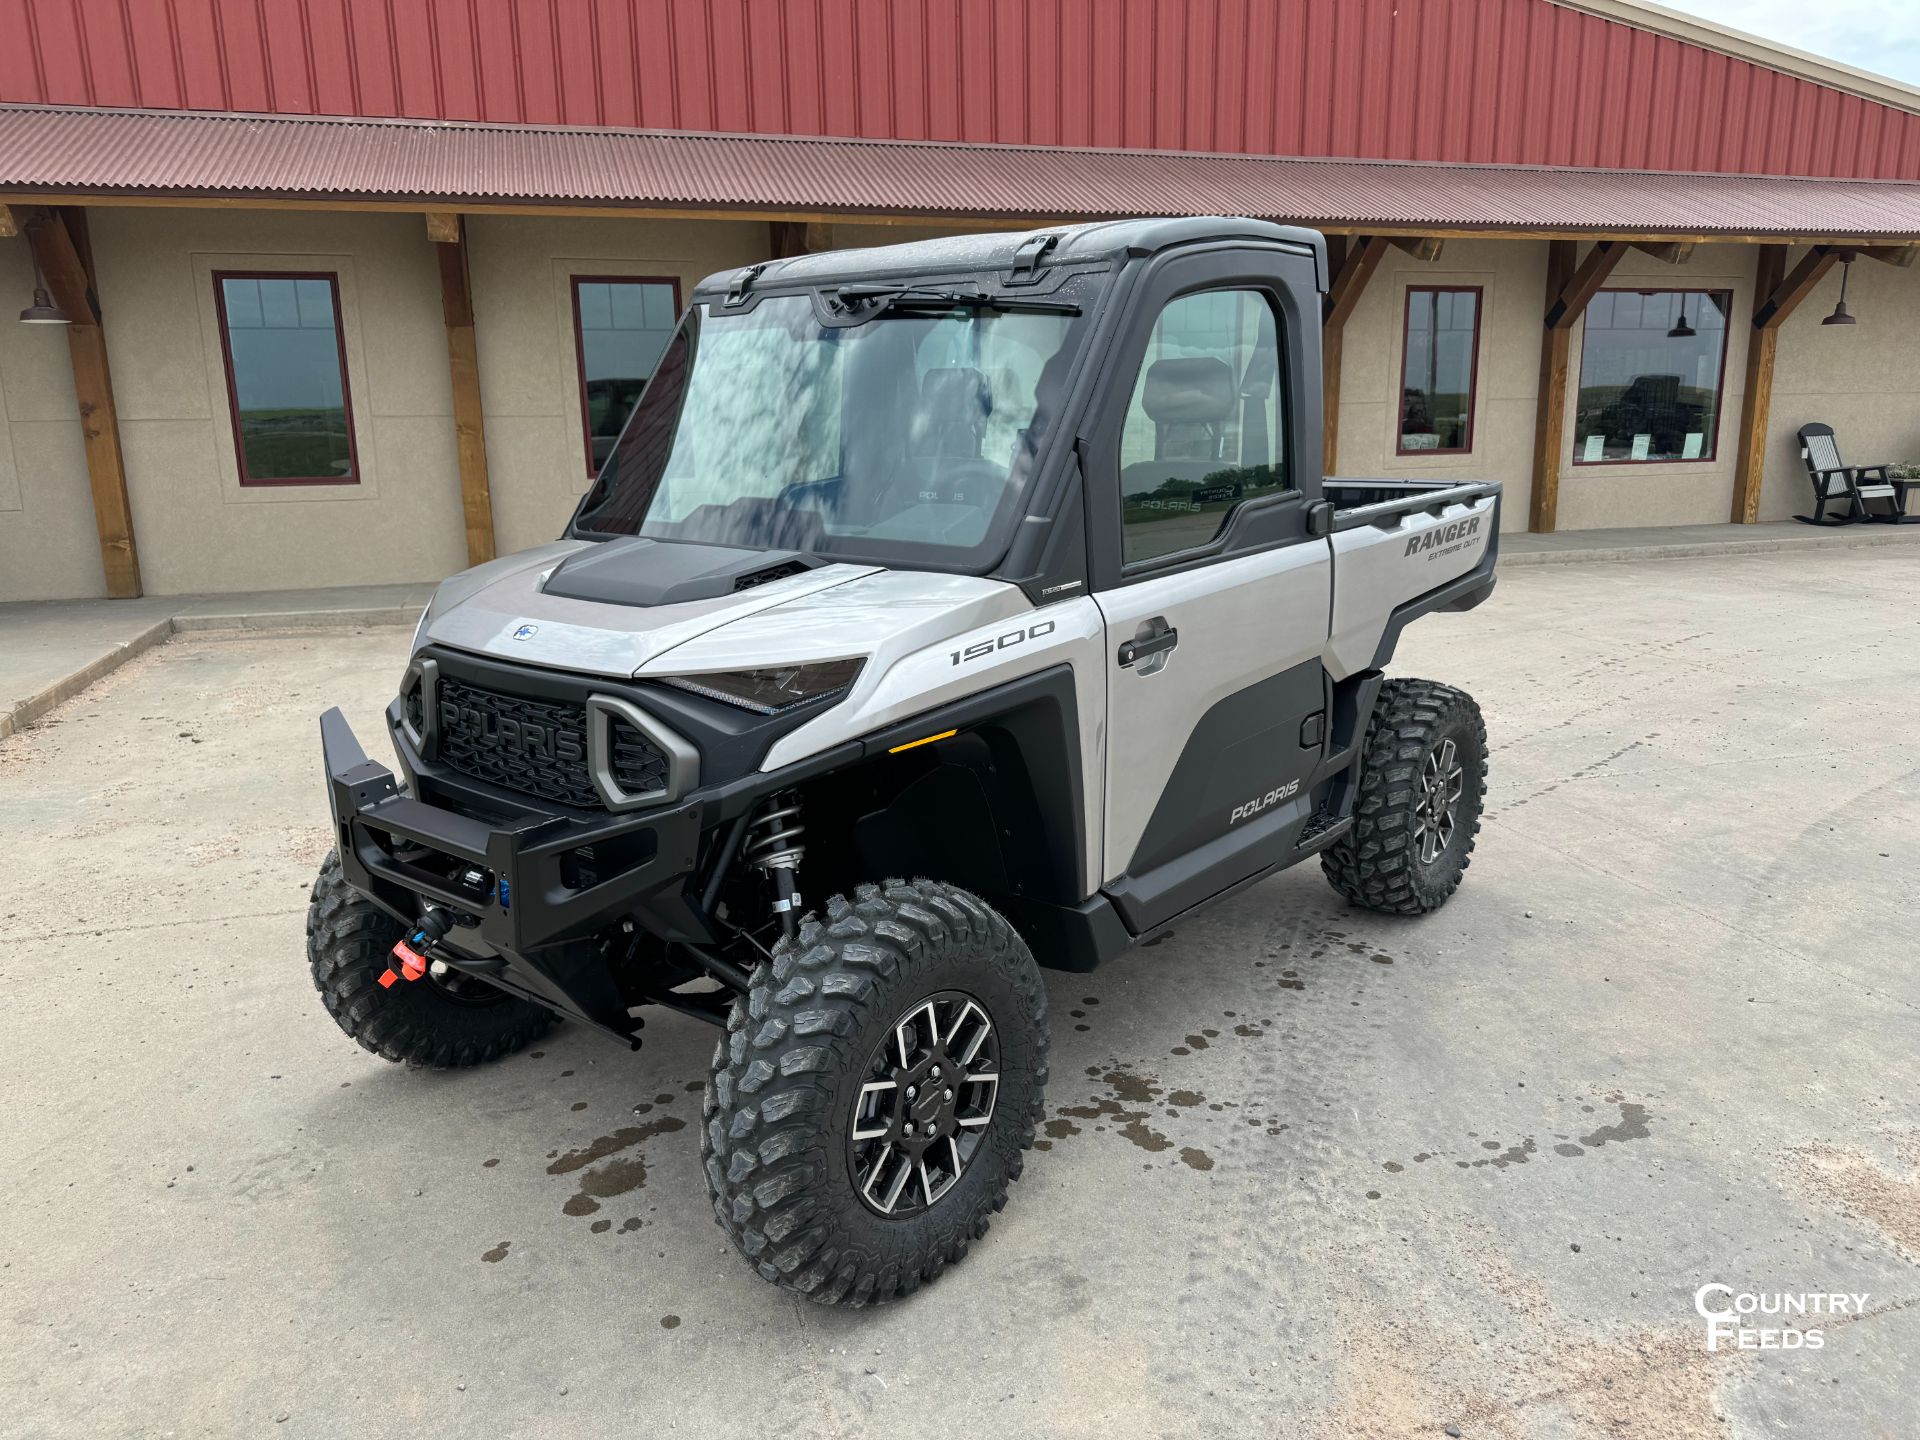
x: 174, y: 154
x: 1467, y: 81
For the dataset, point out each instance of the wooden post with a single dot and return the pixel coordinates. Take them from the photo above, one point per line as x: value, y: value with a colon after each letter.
x: 1569, y: 288
x: 469, y: 423
x: 1543, y: 504
x: 65, y: 259
x: 1756, y: 401
x: 1350, y: 276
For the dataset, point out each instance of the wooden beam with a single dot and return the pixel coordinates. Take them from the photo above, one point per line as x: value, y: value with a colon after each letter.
x: 443, y: 227
x: 1351, y: 278
x: 799, y: 237
x: 646, y: 210
x: 9, y: 227
x: 1571, y: 302
x: 1421, y: 247
x: 1351, y: 266
x: 469, y: 422
x: 1550, y: 406
x: 1785, y: 297
x: 1756, y: 400
x: 1673, y: 252
x: 63, y: 256
x: 1900, y: 255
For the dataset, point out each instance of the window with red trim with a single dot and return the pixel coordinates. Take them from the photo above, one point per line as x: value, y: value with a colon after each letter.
x: 1439, y: 364
x: 621, y: 327
x: 286, y: 361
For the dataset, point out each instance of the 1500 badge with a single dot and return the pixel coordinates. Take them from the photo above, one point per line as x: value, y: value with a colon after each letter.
x: 983, y: 648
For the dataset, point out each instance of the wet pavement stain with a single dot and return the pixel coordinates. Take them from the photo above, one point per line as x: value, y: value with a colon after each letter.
x: 669, y: 1322
x: 609, y: 1176
x: 489, y: 1164
x: 497, y: 1253
x: 1197, y: 1158
x: 1632, y: 1125
x: 630, y: 1224
x: 1060, y: 1129
x: 600, y: 1227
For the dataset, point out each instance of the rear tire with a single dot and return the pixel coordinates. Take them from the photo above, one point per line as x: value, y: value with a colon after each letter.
x: 793, y: 1107
x: 417, y: 1023
x: 1426, y: 744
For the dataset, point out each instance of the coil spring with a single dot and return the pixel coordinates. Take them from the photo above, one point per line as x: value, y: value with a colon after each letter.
x: 774, y: 839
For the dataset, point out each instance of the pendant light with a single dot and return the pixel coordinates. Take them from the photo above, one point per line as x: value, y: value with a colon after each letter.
x: 42, y: 311
x: 1840, y: 315
x: 1681, y: 329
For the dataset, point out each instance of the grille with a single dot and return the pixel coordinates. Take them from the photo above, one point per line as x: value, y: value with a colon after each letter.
x: 537, y: 747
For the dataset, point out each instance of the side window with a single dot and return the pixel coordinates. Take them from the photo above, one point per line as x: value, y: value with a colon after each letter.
x: 1204, y: 428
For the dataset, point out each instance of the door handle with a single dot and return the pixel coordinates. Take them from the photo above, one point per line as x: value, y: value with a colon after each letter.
x: 1135, y: 650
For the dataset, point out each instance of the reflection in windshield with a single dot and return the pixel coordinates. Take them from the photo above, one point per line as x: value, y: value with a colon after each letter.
x: 912, y: 429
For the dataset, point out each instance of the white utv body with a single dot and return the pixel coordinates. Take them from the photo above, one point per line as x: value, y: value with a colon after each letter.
x: 943, y: 610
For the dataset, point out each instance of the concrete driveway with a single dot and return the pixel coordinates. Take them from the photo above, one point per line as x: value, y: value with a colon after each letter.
x: 1306, y: 1170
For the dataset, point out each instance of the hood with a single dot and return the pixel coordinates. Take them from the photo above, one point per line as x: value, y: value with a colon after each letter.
x: 885, y: 615
x: 509, y: 609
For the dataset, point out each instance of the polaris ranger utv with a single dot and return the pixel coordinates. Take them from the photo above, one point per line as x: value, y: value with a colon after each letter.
x: 943, y: 611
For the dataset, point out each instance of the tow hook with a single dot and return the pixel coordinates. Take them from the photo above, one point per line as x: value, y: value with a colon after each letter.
x: 412, y: 951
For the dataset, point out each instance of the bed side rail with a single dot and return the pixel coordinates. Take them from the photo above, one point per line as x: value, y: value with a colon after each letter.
x: 1353, y: 503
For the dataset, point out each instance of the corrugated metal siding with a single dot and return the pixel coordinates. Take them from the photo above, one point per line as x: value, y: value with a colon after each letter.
x: 1478, y: 81
x: 96, y: 150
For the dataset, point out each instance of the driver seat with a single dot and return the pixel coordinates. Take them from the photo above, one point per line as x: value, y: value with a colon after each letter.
x: 945, y: 433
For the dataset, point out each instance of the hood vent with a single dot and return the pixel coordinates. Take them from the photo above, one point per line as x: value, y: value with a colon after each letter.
x: 647, y: 572
x: 770, y: 574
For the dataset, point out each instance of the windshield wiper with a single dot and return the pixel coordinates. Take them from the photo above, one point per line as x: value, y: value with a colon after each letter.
x: 912, y: 299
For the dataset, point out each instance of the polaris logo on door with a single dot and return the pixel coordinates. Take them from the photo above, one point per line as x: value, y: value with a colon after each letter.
x: 1444, y: 535
x: 1266, y: 801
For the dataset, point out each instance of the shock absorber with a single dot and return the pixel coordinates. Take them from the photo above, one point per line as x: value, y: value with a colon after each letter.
x: 773, y: 845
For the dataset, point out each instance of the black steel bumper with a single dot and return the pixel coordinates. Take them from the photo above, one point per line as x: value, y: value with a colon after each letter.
x: 529, y: 878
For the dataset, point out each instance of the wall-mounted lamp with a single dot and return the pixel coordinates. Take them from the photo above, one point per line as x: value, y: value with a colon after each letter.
x: 1840, y: 315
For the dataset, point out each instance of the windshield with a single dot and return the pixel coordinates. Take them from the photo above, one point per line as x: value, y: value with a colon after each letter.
x: 909, y: 437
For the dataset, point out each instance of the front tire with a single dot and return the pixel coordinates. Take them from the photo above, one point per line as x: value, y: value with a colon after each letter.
x: 874, y: 1096
x: 1423, y: 781
x: 431, y: 1023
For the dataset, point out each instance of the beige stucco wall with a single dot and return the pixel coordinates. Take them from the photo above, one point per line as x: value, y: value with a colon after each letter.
x: 1864, y: 380
x: 199, y: 530
x: 521, y: 268
x: 49, y: 549
x: 1512, y: 277
x: 197, y: 527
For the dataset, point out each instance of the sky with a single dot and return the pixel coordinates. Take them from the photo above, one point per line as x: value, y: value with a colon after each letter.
x: 1878, y: 35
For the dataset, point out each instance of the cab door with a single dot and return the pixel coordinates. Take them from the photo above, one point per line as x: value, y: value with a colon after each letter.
x: 1216, y: 600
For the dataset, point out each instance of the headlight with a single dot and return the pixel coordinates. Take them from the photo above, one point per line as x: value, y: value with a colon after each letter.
x: 770, y: 691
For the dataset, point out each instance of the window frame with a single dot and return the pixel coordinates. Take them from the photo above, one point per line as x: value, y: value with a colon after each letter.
x: 249, y: 481
x: 574, y: 282
x: 1719, y: 384
x: 1473, y: 369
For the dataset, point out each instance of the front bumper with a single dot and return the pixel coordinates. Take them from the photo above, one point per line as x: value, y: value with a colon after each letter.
x: 529, y: 878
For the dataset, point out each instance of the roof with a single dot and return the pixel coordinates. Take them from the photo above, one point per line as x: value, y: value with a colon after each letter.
x: 986, y: 252
x: 171, y: 154
x: 1741, y: 45
x: 1597, y: 83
